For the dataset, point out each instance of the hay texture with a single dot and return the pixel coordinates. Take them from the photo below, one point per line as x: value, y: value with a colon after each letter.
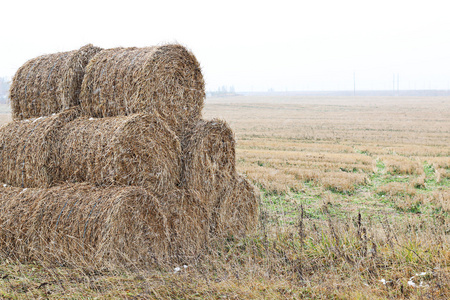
x: 209, y: 160
x: 29, y: 150
x: 129, y: 150
x: 79, y: 223
x: 70, y: 85
x: 166, y: 79
x: 46, y: 84
x: 237, y: 213
x: 187, y: 222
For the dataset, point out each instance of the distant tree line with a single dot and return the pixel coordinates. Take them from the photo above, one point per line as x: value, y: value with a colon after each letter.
x: 223, y: 91
x: 4, y: 88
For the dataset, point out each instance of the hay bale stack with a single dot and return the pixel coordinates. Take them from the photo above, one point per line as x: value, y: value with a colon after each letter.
x: 166, y: 79
x: 81, y: 223
x: 237, y: 213
x: 29, y: 150
x: 129, y: 150
x: 187, y: 222
x: 209, y: 160
x: 46, y: 84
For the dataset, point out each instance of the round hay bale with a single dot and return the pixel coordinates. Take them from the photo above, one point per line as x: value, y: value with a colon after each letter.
x: 187, y: 223
x: 49, y: 83
x: 237, y: 213
x: 128, y: 150
x: 70, y: 84
x: 28, y: 150
x: 209, y: 160
x: 164, y: 79
x: 75, y: 224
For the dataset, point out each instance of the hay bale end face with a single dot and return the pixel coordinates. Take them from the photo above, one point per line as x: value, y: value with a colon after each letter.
x: 237, y: 214
x: 81, y: 223
x: 29, y: 150
x: 49, y: 83
x: 70, y: 85
x: 129, y: 150
x: 166, y: 79
x: 209, y: 159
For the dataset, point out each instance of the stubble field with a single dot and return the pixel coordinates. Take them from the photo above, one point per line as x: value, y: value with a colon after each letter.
x: 355, y: 203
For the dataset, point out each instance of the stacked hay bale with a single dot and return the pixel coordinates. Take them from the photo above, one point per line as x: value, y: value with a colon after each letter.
x: 80, y: 223
x: 28, y: 157
x: 120, y: 167
x: 163, y: 79
x: 49, y: 83
x: 138, y: 149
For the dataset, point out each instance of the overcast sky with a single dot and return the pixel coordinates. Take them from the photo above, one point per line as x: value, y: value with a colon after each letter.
x: 252, y: 45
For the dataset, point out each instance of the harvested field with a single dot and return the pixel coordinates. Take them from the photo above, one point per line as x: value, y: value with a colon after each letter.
x: 49, y: 83
x: 163, y: 79
x: 335, y: 143
x: 81, y: 224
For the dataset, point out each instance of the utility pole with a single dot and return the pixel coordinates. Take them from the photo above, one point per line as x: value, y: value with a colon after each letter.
x: 354, y: 84
x: 398, y: 84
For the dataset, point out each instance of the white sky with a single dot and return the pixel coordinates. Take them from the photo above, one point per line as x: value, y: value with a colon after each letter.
x: 253, y: 45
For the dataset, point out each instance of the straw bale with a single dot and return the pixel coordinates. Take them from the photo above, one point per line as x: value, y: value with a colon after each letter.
x: 28, y: 150
x: 128, y: 150
x: 72, y: 224
x: 237, y: 213
x: 209, y: 160
x: 187, y: 222
x: 46, y: 84
x: 166, y: 79
x: 70, y: 84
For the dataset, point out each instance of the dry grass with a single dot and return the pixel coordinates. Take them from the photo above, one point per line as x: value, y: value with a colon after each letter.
x: 396, y: 189
x: 401, y: 165
x: 284, y: 170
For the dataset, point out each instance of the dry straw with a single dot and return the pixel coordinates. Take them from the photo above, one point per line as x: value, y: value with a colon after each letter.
x: 237, y: 213
x: 209, y: 160
x: 187, y: 221
x: 29, y: 150
x: 49, y: 83
x: 75, y: 224
x: 70, y: 85
x: 129, y: 150
x: 166, y: 79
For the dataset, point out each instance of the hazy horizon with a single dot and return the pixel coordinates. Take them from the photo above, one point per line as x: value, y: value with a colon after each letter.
x: 291, y: 45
